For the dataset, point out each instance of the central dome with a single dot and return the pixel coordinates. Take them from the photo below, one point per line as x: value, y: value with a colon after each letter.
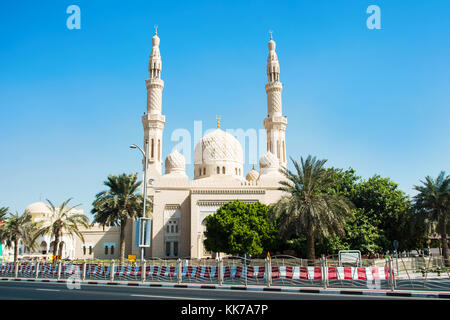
x: 218, y: 152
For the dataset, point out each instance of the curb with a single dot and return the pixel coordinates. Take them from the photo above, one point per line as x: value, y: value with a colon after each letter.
x: 410, y: 294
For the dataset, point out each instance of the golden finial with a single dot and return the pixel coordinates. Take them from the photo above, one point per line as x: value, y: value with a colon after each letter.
x: 156, y: 30
x: 218, y: 121
x: 270, y: 34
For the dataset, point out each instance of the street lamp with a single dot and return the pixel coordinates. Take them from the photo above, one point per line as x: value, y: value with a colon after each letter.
x: 144, y: 153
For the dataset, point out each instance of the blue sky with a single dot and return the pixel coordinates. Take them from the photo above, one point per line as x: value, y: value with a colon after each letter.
x: 71, y: 101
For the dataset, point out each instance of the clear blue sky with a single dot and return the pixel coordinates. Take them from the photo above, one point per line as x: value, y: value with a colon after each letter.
x: 71, y: 101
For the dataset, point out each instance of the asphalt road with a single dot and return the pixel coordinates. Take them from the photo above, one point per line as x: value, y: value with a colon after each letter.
x: 60, y: 291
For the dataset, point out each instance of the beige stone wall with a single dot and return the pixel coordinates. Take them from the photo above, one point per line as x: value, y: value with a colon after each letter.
x: 97, y: 236
x: 208, y: 199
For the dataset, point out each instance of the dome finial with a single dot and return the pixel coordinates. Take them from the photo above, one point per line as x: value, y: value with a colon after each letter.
x: 270, y: 31
x: 156, y: 30
x: 218, y: 121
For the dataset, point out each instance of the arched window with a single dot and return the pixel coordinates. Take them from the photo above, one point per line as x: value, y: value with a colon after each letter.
x: 218, y: 170
x: 106, y: 249
x: 278, y: 150
x: 112, y: 249
x: 223, y: 170
x: 84, y: 250
x: 152, y: 149
x: 204, y: 171
x: 159, y: 150
x: 239, y: 171
x: 175, y: 248
x: 167, y: 248
x: 90, y: 249
x: 200, y: 171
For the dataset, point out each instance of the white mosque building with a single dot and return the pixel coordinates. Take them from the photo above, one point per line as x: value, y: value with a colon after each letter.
x: 180, y: 205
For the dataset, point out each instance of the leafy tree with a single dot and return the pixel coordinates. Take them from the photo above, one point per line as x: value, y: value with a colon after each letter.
x: 386, y: 207
x: 433, y: 200
x: 308, y: 208
x: 120, y: 203
x: 62, y: 221
x: 3, y: 212
x: 343, y: 181
x: 382, y: 214
x: 240, y: 228
x: 15, y: 228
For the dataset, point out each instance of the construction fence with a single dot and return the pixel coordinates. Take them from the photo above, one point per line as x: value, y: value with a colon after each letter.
x: 328, y: 272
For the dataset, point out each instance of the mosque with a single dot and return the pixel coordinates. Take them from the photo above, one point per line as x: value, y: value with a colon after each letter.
x: 180, y: 205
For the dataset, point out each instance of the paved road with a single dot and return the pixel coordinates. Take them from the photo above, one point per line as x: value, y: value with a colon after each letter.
x: 59, y: 291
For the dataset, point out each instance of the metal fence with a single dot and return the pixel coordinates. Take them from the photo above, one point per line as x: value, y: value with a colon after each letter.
x: 327, y: 272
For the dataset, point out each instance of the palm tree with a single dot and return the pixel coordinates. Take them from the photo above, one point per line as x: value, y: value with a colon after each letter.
x: 308, y: 208
x: 433, y: 200
x: 3, y: 212
x: 15, y: 228
x: 62, y: 221
x: 119, y: 204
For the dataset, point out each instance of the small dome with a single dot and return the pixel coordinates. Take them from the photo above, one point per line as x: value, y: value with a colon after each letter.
x: 37, y: 207
x: 175, y: 162
x: 253, y: 175
x: 269, y: 160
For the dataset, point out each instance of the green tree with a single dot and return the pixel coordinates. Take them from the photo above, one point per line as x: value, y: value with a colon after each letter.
x: 119, y: 204
x: 383, y: 214
x: 433, y: 199
x: 240, y: 228
x: 308, y: 208
x: 3, y: 212
x: 62, y: 221
x: 17, y: 228
x: 386, y: 207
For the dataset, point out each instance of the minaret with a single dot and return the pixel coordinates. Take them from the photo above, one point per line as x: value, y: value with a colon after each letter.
x: 275, y: 123
x: 153, y: 121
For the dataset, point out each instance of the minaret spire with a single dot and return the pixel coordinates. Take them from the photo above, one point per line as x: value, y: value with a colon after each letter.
x: 218, y: 121
x: 275, y: 123
x: 153, y: 121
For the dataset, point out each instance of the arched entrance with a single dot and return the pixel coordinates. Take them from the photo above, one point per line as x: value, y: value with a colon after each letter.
x: 43, y: 248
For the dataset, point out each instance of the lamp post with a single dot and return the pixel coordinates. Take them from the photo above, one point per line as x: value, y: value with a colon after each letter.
x: 144, y: 153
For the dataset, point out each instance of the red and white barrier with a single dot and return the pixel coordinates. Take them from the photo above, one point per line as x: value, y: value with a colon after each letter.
x: 239, y: 272
x: 128, y: 271
x: 161, y: 271
x: 297, y: 273
x: 95, y: 269
x: 229, y: 272
x: 7, y: 268
x: 199, y: 272
x: 358, y: 273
